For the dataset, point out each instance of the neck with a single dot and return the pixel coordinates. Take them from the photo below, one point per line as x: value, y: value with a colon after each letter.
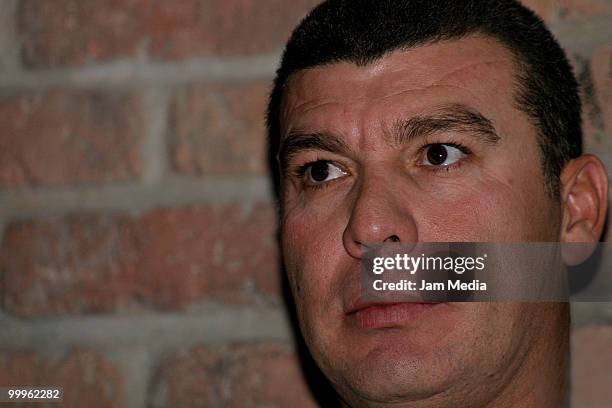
x: 542, y: 382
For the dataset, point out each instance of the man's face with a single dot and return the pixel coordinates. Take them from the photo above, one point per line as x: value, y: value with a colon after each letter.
x: 424, y: 145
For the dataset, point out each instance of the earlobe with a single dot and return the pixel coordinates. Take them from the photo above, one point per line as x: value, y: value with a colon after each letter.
x: 584, y: 195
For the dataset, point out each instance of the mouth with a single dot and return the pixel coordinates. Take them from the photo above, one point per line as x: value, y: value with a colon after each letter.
x: 387, y: 315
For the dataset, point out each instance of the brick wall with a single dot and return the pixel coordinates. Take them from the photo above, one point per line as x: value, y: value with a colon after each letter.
x: 138, y: 262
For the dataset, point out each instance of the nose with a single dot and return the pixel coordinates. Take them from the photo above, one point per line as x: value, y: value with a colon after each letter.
x: 378, y: 216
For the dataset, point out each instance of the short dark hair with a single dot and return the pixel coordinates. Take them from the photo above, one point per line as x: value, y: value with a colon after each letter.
x: 363, y: 31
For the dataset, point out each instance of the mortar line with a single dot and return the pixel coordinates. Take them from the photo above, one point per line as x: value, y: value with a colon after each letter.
x: 121, y: 74
x: 133, y: 197
x: 154, y: 147
x: 212, y: 326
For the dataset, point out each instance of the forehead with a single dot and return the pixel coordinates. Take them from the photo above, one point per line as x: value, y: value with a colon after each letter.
x: 477, y: 71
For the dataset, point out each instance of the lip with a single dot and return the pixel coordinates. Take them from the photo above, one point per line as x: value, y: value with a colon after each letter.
x: 387, y: 315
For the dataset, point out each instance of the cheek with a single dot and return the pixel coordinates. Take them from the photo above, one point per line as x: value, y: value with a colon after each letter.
x: 311, y: 247
x: 312, y: 253
x: 492, y: 210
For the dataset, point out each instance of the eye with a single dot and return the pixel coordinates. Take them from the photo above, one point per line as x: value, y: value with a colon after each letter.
x: 442, y: 155
x: 322, y: 171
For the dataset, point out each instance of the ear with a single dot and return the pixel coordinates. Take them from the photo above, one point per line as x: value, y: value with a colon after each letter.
x: 584, y: 196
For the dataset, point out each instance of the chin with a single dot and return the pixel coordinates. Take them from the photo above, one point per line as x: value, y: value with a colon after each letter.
x: 389, y: 368
x: 424, y: 359
x: 391, y: 378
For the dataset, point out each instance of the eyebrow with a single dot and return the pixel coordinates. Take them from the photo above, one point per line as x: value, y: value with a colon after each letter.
x: 297, y: 141
x: 456, y: 117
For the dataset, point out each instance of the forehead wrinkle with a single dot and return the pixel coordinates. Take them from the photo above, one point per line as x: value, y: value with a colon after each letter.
x: 305, y: 106
x: 474, y: 65
x: 442, y: 81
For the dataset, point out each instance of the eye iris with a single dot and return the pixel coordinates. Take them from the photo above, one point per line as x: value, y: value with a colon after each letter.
x: 437, y: 154
x: 319, y: 171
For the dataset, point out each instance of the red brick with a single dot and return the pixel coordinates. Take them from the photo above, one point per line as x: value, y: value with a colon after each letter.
x: 584, y: 8
x: 219, y: 129
x: 214, y: 251
x: 166, y: 259
x: 598, y: 131
x: 601, y: 67
x: 223, y: 27
x: 267, y: 376
x: 546, y: 9
x: 75, y: 32
x: 64, y: 137
x: 236, y: 376
x: 87, y: 378
x: 556, y: 10
x: 596, y: 93
x: 592, y: 367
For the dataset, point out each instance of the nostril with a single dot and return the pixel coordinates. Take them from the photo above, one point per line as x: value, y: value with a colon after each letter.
x: 392, y: 238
